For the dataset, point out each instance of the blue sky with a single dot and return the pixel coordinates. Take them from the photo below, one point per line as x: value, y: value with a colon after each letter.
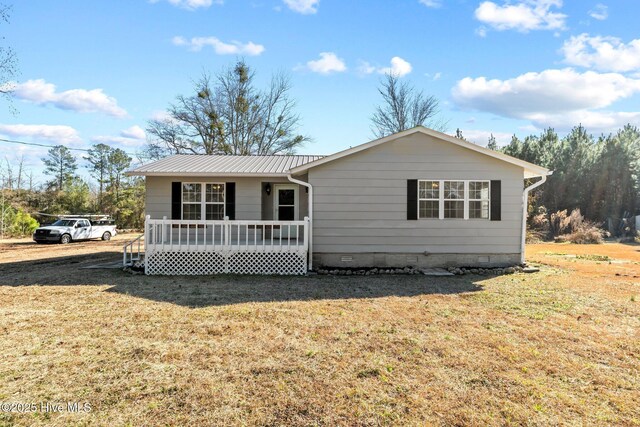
x: 97, y: 71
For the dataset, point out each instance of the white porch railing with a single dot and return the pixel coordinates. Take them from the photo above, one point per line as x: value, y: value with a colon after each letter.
x: 238, y: 246
x: 129, y: 252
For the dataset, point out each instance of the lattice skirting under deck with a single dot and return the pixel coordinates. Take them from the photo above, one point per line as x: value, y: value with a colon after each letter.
x: 203, y: 263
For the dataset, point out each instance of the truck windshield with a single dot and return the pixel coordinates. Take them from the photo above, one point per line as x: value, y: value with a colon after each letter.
x: 65, y: 222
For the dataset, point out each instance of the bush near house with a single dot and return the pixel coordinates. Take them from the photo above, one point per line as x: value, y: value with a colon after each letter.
x: 564, y: 227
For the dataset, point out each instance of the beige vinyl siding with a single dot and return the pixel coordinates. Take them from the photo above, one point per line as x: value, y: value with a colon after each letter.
x: 249, y: 196
x: 360, y: 201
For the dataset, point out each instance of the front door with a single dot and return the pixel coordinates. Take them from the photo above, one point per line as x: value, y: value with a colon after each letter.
x: 286, y: 209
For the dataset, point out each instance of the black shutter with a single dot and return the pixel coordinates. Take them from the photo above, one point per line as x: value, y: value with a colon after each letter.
x: 230, y: 199
x: 496, y: 200
x: 412, y: 199
x: 176, y: 200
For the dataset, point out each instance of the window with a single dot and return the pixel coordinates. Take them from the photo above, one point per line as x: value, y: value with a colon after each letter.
x: 479, y: 199
x: 429, y: 199
x: 191, y: 201
x: 453, y: 199
x: 214, y: 201
x: 197, y: 206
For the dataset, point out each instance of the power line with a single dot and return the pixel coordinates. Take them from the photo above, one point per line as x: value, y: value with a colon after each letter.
x: 12, y: 141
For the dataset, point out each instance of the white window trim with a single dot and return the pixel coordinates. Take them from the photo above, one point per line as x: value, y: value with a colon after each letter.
x: 422, y: 199
x: 203, y: 199
x: 466, y: 199
x: 469, y: 199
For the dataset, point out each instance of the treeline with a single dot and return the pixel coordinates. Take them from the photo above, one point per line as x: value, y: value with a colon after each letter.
x: 107, y: 191
x: 599, y: 176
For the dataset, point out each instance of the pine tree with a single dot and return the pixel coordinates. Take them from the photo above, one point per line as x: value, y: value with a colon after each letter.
x: 98, y: 159
x: 61, y: 165
x: 492, y: 145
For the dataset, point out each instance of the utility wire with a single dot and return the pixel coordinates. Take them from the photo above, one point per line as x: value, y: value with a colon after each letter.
x: 11, y: 141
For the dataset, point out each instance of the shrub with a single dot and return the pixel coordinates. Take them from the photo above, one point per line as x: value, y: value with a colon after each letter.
x: 23, y: 224
x: 573, y: 228
x: 586, y: 234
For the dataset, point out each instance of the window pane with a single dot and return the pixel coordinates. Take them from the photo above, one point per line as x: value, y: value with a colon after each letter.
x: 429, y: 209
x: 286, y: 197
x: 191, y: 211
x: 191, y: 192
x: 214, y: 212
x: 454, y: 209
x: 286, y: 213
x: 429, y: 190
x: 454, y: 189
x: 478, y: 190
x: 214, y: 193
x: 479, y: 209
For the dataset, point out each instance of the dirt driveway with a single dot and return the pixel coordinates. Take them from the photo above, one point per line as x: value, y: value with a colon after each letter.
x: 22, y: 261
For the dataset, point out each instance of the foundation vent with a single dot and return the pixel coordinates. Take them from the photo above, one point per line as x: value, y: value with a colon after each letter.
x: 346, y: 258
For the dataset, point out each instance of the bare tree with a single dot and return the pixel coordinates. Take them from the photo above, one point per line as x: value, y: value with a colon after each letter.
x: 228, y: 114
x: 8, y: 61
x: 20, y: 173
x: 403, y: 107
x: 7, y: 175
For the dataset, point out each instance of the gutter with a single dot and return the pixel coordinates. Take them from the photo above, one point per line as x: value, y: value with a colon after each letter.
x: 525, y: 205
x: 306, y: 184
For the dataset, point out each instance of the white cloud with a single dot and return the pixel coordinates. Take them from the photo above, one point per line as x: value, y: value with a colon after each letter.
x: 432, y: 3
x: 57, y: 134
x: 366, y: 68
x: 305, y: 7
x: 135, y: 132
x: 481, y: 137
x: 134, y: 136
x: 327, y: 64
x: 599, y: 12
x: 593, y: 120
x: 523, y: 16
x: 191, y: 4
x: 399, y: 67
x: 549, y: 91
x: 551, y: 97
x: 602, y: 53
x: 221, y: 48
x: 81, y: 100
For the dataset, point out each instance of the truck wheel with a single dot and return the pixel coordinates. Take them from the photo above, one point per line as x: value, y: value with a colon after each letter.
x: 106, y: 236
x: 65, y: 239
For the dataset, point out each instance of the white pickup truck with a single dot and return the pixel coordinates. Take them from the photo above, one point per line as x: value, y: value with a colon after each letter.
x: 67, y: 230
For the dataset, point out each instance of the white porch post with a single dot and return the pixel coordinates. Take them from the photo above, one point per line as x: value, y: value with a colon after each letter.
x: 146, y: 243
x: 310, y: 213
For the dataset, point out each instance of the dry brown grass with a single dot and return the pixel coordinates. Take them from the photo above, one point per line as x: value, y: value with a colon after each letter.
x: 558, y: 347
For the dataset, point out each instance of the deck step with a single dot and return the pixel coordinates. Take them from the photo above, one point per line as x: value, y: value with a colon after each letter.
x: 436, y: 272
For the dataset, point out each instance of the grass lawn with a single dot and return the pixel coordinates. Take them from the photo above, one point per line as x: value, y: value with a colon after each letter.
x: 557, y: 347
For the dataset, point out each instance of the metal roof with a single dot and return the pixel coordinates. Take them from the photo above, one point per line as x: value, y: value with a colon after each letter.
x: 223, y: 165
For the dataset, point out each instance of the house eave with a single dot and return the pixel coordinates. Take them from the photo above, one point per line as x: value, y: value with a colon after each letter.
x: 208, y: 174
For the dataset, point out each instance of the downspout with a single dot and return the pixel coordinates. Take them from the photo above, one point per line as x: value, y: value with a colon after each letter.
x: 310, y: 215
x: 525, y: 205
